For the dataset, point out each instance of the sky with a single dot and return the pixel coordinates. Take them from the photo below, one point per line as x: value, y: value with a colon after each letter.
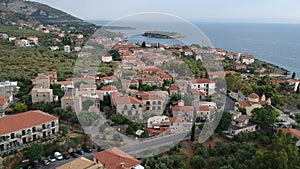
x: 193, y: 10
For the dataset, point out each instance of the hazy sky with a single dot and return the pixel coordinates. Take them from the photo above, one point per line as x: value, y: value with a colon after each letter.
x: 208, y: 10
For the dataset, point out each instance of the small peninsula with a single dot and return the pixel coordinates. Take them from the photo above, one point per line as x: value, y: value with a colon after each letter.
x: 163, y: 35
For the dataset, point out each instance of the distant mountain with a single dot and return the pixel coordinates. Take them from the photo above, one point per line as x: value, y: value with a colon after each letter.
x: 36, y: 13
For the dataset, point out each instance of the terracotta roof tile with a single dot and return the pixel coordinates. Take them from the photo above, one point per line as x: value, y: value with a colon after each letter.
x: 204, y: 108
x: 294, y: 132
x: 152, y: 97
x: 113, y: 157
x: 127, y: 100
x: 109, y: 88
x: 253, y: 96
x: 173, y: 87
x: 244, y: 103
x: 175, y: 120
x: 201, y: 80
x: 183, y: 108
x: 24, y: 120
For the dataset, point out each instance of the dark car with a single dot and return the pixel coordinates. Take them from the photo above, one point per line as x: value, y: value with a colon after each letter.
x: 80, y: 152
x: 102, y: 148
x: 66, y: 156
x: 31, y: 165
x: 88, y: 150
x: 74, y: 155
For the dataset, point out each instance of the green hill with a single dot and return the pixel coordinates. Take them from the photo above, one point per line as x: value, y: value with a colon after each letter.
x: 20, y: 11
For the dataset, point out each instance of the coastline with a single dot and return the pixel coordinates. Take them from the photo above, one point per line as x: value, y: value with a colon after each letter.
x: 284, y: 72
x: 286, y: 67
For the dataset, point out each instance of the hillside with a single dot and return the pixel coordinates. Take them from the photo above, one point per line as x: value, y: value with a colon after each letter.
x: 20, y: 11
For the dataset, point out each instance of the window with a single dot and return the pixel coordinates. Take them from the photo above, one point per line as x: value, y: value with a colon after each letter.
x: 34, y: 137
x: 154, y: 102
x: 23, y: 132
x: 12, y: 135
x: 159, y: 102
x: 159, y: 108
x: 33, y: 129
x: 53, y: 124
x: 153, y: 107
x: 43, y: 126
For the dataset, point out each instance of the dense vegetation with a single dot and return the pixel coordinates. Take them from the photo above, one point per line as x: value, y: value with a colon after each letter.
x: 261, y: 85
x: 223, y: 155
x: 172, y: 159
x: 18, y: 62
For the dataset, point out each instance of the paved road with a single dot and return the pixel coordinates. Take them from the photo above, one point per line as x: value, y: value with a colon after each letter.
x: 157, y: 143
x: 229, y: 104
x: 140, y: 146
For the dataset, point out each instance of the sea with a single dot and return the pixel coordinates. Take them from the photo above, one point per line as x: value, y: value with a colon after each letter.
x: 275, y: 43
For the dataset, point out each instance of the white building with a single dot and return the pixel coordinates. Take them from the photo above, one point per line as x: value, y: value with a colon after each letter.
x: 240, y: 123
x: 67, y: 48
x: 204, y: 85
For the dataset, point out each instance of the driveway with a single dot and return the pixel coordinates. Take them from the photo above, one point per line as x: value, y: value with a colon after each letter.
x: 58, y: 163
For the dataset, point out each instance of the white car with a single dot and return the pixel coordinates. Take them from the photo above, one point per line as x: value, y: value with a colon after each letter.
x: 58, y: 155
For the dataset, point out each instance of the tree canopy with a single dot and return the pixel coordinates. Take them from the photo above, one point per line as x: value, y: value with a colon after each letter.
x: 264, y: 116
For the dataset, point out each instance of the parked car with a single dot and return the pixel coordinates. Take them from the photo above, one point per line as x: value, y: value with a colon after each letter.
x: 32, y: 165
x: 88, y: 150
x: 101, y: 148
x: 74, y: 155
x: 80, y: 152
x: 58, y: 155
x: 51, y: 159
x: 66, y: 156
x: 45, y: 162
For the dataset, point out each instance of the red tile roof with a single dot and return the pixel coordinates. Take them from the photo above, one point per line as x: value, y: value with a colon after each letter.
x: 65, y: 83
x: 23, y: 120
x: 183, y: 108
x: 2, y: 101
x: 175, y: 120
x: 294, y: 132
x: 108, y: 78
x: 109, y: 88
x: 173, y: 87
x: 253, y: 96
x: 113, y: 157
x: 151, y: 69
x: 198, y: 92
x: 201, y: 80
x: 127, y: 100
x: 244, y: 103
x: 277, y: 81
x: 204, y: 108
x: 114, y: 95
x: 152, y: 97
x: 220, y: 50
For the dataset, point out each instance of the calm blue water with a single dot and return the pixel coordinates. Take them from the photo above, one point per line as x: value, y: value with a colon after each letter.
x: 278, y: 44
